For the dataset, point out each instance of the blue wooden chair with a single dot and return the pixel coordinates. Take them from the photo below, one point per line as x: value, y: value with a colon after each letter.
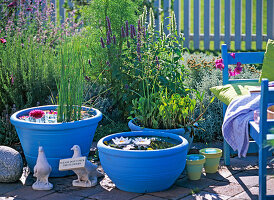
x: 259, y: 132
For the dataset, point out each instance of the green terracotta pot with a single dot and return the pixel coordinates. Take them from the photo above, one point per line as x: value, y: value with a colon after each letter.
x: 213, y: 156
x: 194, y: 166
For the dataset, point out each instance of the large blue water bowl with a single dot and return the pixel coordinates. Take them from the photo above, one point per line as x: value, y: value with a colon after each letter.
x: 57, y: 139
x: 143, y: 171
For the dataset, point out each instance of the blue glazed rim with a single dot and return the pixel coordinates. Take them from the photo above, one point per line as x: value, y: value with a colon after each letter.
x: 139, y: 128
x: 142, y: 153
x: 56, y: 126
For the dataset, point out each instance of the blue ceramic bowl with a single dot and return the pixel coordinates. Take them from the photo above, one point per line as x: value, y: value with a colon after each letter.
x: 143, y: 171
x: 57, y: 139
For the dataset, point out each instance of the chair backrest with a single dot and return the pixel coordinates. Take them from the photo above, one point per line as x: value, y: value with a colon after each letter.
x: 267, y: 97
x: 243, y: 57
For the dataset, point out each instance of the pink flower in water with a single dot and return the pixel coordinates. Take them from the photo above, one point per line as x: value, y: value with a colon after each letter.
x: 3, y: 40
x: 36, y: 114
x: 233, y: 55
x: 219, y: 64
x: 24, y: 117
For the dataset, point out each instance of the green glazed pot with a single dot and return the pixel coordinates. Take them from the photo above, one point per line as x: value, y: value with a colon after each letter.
x: 213, y: 156
x: 194, y: 166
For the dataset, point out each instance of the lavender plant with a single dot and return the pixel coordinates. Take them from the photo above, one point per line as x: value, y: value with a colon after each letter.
x: 27, y: 73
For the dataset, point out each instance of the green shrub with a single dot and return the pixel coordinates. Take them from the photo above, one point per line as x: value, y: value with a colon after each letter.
x: 26, y: 72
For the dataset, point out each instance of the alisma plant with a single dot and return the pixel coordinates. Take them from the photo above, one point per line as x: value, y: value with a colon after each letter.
x: 71, y: 82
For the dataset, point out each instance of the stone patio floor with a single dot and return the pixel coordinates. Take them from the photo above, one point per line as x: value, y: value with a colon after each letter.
x: 238, y: 181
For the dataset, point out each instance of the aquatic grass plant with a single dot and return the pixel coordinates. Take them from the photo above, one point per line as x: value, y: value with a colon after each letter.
x: 70, y: 84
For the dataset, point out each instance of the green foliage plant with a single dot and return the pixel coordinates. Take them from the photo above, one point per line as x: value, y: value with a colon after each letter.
x: 165, y: 101
x: 141, y: 60
x: 70, y: 84
x: 168, y: 111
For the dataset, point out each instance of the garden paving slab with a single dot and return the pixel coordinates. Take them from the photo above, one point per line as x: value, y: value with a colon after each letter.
x: 148, y: 197
x: 205, y: 196
x: 114, y: 194
x: 223, y: 173
x: 60, y: 196
x: 84, y: 192
x: 251, y: 194
x: 226, y: 188
x: 28, y: 193
x: 249, y: 162
x: 8, y: 187
x: 199, y: 184
x: 244, y: 179
x: 174, y: 192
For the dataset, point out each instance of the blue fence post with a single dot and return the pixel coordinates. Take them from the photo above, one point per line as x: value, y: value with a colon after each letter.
x: 157, y: 7
x: 217, y: 24
x: 207, y: 24
x: 259, y: 23
x: 227, y: 22
x: 177, y: 11
x: 167, y: 4
x: 238, y: 24
x: 196, y: 18
x: 186, y: 22
x: 248, y: 24
x: 270, y: 23
x: 61, y: 11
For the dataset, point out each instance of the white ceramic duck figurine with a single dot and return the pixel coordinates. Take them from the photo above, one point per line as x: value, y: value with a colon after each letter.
x: 83, y: 174
x: 42, y: 170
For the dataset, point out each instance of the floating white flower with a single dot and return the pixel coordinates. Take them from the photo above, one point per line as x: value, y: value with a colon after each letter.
x: 121, y: 141
x: 129, y: 147
x: 141, y: 141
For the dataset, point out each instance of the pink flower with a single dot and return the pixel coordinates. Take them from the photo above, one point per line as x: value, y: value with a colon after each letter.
x: 36, y: 114
x: 239, y: 64
x: 231, y: 73
x: 238, y: 69
x: 219, y: 64
x: 219, y: 61
x: 12, y: 4
x: 12, y: 79
x: 3, y: 40
x: 233, y: 55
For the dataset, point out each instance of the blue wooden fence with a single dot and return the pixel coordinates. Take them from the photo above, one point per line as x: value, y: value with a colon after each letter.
x: 217, y: 36
x: 222, y: 32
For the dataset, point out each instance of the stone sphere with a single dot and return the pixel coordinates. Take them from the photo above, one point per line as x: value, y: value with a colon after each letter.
x: 11, y: 164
